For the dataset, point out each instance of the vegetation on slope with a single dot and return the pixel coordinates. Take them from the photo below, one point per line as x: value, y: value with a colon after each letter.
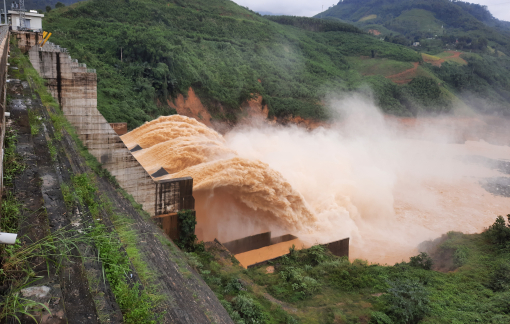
x: 424, y: 19
x: 440, y: 25
x: 147, y: 52
x: 313, y: 286
x: 225, y: 52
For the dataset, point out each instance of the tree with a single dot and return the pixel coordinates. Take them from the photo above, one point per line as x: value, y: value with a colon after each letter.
x: 499, y: 233
x: 48, y: 8
x: 59, y: 5
x: 482, y: 43
x: 407, y: 301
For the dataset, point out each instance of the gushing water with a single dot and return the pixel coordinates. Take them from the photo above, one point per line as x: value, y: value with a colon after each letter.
x: 362, y: 177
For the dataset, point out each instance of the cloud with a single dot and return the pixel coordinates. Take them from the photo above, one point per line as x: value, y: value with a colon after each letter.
x: 499, y: 8
x: 285, y: 7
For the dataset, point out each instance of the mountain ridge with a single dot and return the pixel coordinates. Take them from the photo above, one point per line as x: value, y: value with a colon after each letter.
x: 229, y: 54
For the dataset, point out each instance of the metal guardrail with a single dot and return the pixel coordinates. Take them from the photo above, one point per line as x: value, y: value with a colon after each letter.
x: 4, y: 37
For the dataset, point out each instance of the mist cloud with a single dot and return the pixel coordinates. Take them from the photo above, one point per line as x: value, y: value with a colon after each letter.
x: 385, y: 185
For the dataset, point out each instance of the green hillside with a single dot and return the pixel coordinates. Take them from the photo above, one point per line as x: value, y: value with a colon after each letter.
x: 466, y: 279
x: 228, y: 54
x: 422, y: 19
x: 438, y: 26
x: 220, y: 49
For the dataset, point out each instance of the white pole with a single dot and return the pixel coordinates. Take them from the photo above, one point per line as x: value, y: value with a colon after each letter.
x: 8, y: 238
x: 5, y: 13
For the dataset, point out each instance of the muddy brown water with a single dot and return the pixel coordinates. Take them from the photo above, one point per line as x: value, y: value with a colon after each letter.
x: 388, y: 183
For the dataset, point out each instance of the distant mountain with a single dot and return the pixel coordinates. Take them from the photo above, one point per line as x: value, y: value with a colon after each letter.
x: 268, y: 13
x: 413, y: 20
x: 41, y: 4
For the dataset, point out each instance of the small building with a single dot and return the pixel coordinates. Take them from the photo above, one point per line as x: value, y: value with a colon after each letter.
x: 33, y: 20
x: 416, y: 44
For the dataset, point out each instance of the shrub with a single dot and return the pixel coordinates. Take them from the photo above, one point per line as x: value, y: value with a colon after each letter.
x: 407, y: 301
x: 424, y: 93
x: 233, y: 286
x: 187, y: 223
x: 355, y: 275
x: 380, y: 318
x: 422, y: 261
x: 499, y: 233
x: 193, y: 260
x: 317, y: 254
x: 300, y: 283
x: 500, y: 278
x: 460, y: 256
x: 248, y: 309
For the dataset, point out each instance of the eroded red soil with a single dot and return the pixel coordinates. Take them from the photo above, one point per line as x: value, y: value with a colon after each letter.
x: 406, y: 76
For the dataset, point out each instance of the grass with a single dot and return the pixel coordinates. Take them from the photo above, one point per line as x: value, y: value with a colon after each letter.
x: 458, y: 60
x: 69, y: 199
x: 18, y: 262
x: 384, y: 67
x: 11, y: 213
x: 14, y: 306
x: 430, y: 57
x: 320, y: 288
x: 27, y: 73
x: 53, y: 150
x: 13, y: 163
x: 418, y: 20
x: 136, y: 304
x: 383, y: 30
x: 369, y: 17
x: 444, y: 55
x: 35, y: 122
x: 59, y: 123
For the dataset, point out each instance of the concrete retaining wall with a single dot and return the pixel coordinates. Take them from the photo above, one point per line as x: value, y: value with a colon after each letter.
x: 27, y: 40
x: 75, y: 88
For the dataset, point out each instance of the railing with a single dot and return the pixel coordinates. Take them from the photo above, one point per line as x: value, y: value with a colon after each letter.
x: 4, y: 39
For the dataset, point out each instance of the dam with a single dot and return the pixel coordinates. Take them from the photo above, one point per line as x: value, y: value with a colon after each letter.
x: 150, y: 162
x: 350, y: 179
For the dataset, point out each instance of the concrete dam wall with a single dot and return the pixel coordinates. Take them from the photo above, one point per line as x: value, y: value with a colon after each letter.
x: 75, y: 88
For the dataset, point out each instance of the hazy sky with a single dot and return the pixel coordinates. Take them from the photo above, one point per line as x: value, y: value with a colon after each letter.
x: 499, y: 8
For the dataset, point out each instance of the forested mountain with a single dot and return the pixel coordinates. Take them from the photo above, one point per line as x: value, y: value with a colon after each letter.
x: 229, y: 54
x: 422, y: 19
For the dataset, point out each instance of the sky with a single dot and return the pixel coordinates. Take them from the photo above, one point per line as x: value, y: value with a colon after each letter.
x: 499, y: 8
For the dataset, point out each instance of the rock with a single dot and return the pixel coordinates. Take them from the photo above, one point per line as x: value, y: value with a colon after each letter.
x: 38, y: 292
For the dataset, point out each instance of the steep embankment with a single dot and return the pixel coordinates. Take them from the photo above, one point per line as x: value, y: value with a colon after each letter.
x: 84, y: 245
